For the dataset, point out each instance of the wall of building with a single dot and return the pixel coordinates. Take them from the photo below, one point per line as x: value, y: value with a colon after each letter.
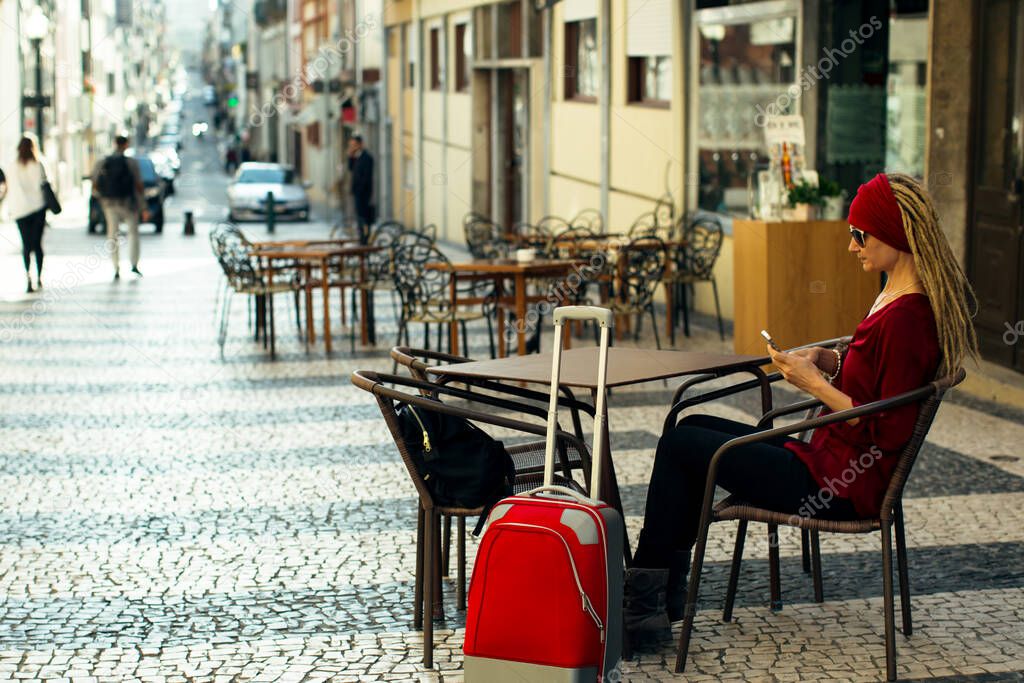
x: 951, y: 60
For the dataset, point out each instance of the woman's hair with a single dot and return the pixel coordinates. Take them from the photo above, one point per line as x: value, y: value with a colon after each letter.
x: 945, y: 283
x: 27, y: 150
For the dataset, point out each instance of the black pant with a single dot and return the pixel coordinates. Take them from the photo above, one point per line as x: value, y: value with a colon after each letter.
x: 364, y: 217
x: 31, y: 229
x: 763, y: 474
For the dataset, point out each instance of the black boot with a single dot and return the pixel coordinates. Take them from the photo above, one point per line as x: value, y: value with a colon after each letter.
x: 645, y: 608
x: 676, y: 589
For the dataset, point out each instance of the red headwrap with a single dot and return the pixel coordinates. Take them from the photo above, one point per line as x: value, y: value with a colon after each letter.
x: 875, y: 211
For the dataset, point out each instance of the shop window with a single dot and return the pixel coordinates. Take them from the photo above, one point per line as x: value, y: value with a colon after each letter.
x: 463, y: 56
x: 582, y: 71
x: 435, y: 59
x: 650, y: 80
x: 747, y: 74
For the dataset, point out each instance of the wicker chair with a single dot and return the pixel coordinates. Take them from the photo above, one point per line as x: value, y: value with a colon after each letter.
x: 428, y: 574
x: 890, y: 516
x: 695, y: 262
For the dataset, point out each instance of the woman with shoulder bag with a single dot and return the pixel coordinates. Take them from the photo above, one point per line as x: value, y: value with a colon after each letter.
x: 27, y: 204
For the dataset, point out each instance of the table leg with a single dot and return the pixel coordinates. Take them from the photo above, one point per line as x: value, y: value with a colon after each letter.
x: 327, y: 305
x: 499, y: 293
x: 521, y: 312
x: 310, y: 329
x: 453, y: 326
x: 364, y: 304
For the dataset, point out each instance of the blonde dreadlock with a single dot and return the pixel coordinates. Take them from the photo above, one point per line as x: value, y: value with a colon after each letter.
x: 944, y: 281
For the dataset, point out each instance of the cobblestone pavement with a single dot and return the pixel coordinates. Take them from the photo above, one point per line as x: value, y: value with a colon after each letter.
x: 170, y: 516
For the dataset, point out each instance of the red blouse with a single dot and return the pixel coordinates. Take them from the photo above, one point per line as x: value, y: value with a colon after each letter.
x: 893, y: 351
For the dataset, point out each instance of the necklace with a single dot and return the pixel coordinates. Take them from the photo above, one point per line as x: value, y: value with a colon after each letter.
x: 883, y: 296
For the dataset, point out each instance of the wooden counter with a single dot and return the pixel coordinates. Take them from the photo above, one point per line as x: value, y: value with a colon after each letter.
x: 797, y: 280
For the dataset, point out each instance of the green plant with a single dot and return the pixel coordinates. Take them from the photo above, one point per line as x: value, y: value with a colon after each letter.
x: 829, y: 188
x: 805, y: 193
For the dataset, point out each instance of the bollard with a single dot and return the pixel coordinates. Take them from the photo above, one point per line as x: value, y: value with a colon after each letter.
x: 270, y: 212
x: 190, y: 224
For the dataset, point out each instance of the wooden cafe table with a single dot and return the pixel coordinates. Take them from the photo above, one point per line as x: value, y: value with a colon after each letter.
x: 626, y: 366
x: 499, y: 270
x: 321, y: 254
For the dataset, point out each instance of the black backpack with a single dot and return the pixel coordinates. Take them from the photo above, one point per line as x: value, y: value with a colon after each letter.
x: 115, y: 180
x: 462, y: 465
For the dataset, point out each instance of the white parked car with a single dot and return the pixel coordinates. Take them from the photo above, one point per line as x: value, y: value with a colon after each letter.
x: 247, y: 193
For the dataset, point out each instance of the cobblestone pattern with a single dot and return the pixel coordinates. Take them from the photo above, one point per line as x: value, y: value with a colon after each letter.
x: 169, y: 516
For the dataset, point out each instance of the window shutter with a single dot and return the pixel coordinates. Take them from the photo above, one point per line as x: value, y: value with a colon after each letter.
x: 576, y: 10
x: 649, y: 28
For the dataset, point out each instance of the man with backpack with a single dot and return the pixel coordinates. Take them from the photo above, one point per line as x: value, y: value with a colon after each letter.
x: 117, y: 183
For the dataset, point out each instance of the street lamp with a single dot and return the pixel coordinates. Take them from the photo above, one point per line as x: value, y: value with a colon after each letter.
x: 36, y: 28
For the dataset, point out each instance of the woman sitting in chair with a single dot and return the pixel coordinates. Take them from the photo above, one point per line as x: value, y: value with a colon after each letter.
x: 918, y: 327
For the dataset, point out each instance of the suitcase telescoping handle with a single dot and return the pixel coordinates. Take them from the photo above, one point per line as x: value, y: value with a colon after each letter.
x: 605, y: 319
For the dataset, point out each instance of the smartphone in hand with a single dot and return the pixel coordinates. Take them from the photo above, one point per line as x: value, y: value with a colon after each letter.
x: 771, y: 342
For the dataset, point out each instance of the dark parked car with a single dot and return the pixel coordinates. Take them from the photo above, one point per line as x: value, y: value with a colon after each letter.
x: 153, y: 188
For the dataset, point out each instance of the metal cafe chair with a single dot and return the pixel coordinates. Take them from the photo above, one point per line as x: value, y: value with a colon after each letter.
x: 694, y: 261
x: 889, y: 519
x: 393, y: 391
x: 641, y: 267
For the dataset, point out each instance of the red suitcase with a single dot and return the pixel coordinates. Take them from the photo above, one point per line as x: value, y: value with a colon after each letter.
x: 545, y: 598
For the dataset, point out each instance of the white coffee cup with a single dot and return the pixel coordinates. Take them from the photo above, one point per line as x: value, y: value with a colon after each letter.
x: 525, y: 255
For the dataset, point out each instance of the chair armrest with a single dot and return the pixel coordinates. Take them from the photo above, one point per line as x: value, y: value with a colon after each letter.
x: 762, y: 381
x: 710, y: 483
x: 767, y: 418
x: 374, y: 383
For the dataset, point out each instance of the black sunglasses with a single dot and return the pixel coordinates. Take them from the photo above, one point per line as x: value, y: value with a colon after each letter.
x: 858, y: 236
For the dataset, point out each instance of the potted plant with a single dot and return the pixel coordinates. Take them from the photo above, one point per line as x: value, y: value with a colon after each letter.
x: 804, y: 200
x: 832, y: 200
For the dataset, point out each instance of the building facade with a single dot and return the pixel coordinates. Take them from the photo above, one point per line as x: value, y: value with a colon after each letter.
x: 520, y: 109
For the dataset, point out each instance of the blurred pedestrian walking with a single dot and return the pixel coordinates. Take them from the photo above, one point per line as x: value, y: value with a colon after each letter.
x: 27, y: 205
x: 360, y: 165
x: 117, y: 182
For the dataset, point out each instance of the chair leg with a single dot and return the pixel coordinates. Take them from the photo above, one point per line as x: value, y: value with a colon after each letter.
x: 718, y: 309
x: 887, y: 597
x: 805, y: 551
x: 426, y: 336
x: 901, y: 565
x: 775, y: 584
x: 465, y: 339
x: 734, y: 571
x: 270, y: 308
x: 654, y: 325
x: 684, y: 301
x: 460, y: 587
x: 430, y: 518
x: 490, y: 337
x: 298, y: 320
x: 819, y: 593
x: 692, y: 594
x: 438, y: 611
x: 417, y: 615
x: 446, y: 548
x: 225, y: 317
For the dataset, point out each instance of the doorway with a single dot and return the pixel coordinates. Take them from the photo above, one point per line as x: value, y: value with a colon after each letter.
x: 996, y: 239
x: 508, y: 135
